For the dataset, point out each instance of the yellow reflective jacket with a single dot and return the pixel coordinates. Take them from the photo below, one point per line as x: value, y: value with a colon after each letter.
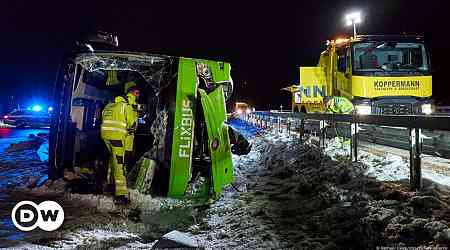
x: 339, y: 105
x: 119, y: 118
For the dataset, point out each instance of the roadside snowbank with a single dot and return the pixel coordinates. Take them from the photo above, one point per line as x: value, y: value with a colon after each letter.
x: 388, y: 167
x: 286, y: 195
x: 92, y: 239
x: 295, y: 196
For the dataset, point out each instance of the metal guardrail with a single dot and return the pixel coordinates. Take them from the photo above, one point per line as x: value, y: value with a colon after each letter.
x: 415, y: 123
x: 443, y: 109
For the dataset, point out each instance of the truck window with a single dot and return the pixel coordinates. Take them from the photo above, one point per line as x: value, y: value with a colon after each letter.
x: 342, y: 60
x: 385, y: 56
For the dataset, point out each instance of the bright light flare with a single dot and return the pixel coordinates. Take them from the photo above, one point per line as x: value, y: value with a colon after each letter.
x: 50, y: 109
x: 363, y: 109
x: 427, y: 108
x: 341, y: 40
x: 354, y: 17
x: 5, y: 117
x: 36, y: 108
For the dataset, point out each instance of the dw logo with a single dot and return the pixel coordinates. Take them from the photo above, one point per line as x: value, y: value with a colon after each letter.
x: 48, y: 215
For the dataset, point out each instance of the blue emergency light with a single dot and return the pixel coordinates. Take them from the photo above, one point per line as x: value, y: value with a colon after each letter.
x: 36, y: 108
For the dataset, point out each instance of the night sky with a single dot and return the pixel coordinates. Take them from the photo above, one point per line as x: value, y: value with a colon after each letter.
x: 264, y: 42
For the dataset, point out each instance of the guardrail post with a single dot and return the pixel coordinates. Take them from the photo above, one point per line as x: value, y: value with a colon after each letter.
x: 288, y: 126
x: 322, y: 134
x: 354, y: 142
x: 415, y: 171
x: 302, y: 129
x: 278, y: 125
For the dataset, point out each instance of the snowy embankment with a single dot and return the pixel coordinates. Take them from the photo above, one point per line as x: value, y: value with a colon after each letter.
x: 389, y: 166
x: 296, y: 196
x: 287, y: 195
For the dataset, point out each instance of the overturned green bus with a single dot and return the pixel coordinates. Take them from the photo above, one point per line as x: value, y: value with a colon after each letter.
x: 182, y: 116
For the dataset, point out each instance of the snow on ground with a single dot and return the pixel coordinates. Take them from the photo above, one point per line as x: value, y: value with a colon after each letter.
x: 388, y: 167
x: 233, y: 221
x: 286, y: 195
x: 19, y: 161
x: 293, y: 196
x: 43, y: 152
x: 92, y: 239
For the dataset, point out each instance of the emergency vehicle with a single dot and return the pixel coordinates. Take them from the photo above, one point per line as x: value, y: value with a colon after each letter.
x: 380, y: 74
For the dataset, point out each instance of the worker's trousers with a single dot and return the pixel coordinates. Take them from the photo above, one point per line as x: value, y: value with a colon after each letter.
x: 116, y: 169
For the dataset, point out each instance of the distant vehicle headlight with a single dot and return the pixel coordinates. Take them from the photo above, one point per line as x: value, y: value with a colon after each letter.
x: 239, y: 111
x: 5, y: 117
x: 247, y: 111
x: 363, y: 109
x: 426, y: 108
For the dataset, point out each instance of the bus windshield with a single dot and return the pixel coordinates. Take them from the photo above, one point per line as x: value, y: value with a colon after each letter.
x: 383, y: 56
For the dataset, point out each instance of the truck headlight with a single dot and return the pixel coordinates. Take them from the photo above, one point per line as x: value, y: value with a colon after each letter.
x: 426, y: 108
x: 363, y: 109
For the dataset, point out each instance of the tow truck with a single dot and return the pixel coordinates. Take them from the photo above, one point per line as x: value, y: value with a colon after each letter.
x: 181, y: 127
x: 380, y: 74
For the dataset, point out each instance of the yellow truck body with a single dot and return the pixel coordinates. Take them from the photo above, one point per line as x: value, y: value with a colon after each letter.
x: 309, y: 95
x: 382, y: 74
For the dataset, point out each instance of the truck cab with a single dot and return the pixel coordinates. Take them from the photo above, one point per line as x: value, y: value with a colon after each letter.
x: 380, y: 74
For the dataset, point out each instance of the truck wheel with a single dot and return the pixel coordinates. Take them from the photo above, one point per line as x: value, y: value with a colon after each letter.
x: 303, y: 110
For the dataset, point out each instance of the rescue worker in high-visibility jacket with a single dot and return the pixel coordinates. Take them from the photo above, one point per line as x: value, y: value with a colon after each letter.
x: 117, y: 130
x: 339, y: 105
